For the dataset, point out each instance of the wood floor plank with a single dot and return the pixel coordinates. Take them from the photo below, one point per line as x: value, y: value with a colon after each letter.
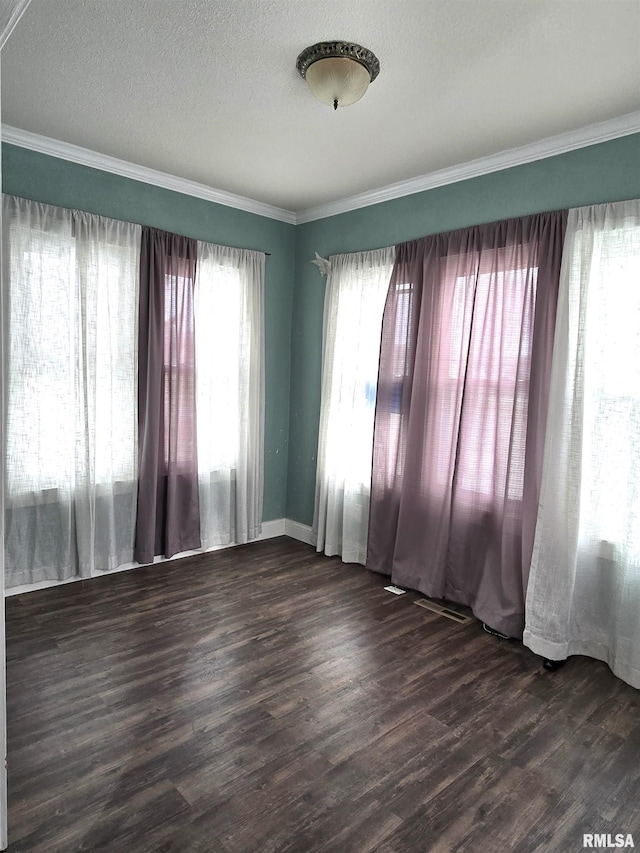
x: 269, y: 699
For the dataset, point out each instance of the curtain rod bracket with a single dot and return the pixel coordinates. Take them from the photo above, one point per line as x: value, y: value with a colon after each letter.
x: 323, y: 264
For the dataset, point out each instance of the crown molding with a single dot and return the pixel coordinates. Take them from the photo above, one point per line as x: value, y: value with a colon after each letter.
x: 549, y: 147
x: 95, y: 160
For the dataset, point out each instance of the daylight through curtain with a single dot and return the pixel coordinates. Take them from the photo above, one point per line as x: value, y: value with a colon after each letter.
x: 133, y: 393
x: 70, y: 315
x: 462, y: 399
x: 584, y: 589
x: 229, y: 325
x: 354, y: 300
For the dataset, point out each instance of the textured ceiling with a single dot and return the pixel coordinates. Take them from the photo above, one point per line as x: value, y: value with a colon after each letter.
x: 208, y: 91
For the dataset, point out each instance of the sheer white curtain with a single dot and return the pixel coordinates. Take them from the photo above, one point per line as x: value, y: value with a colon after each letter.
x: 229, y: 326
x: 70, y: 314
x: 584, y: 587
x: 354, y: 303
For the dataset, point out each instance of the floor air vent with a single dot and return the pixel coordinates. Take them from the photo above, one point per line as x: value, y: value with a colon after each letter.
x: 443, y: 611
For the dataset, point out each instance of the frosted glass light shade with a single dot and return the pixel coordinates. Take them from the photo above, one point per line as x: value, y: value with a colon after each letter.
x: 338, y: 72
x: 338, y: 80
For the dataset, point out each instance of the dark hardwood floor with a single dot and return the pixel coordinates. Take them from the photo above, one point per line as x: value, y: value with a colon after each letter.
x: 264, y: 698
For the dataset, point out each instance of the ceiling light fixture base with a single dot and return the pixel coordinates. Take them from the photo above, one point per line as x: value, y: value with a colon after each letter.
x: 332, y: 49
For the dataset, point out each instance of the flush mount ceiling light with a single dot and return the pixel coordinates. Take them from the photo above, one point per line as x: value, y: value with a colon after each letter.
x: 338, y: 72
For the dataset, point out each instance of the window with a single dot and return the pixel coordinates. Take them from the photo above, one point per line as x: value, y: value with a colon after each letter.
x: 72, y: 316
x: 612, y: 391
x: 584, y: 586
x: 496, y: 362
x: 178, y: 364
x: 480, y: 382
x: 354, y: 304
x: 229, y: 332
x: 223, y: 358
x: 72, y: 452
x: 40, y: 387
x: 71, y: 306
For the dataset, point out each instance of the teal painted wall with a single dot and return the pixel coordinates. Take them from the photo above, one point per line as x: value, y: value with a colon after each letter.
x: 294, y: 287
x: 606, y: 172
x: 53, y: 181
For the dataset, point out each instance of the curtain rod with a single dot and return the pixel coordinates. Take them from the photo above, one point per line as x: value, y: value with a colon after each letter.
x: 142, y: 225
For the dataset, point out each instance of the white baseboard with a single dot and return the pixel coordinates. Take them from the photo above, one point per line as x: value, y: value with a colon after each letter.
x: 270, y: 529
x: 301, y: 532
